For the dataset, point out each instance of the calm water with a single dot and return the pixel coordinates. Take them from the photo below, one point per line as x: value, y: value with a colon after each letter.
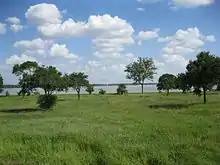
x: 109, y: 89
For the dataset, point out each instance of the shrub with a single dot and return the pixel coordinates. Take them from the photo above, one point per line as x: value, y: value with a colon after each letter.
x: 47, y: 101
x: 90, y: 89
x: 102, y: 92
x: 122, y: 89
x: 7, y: 94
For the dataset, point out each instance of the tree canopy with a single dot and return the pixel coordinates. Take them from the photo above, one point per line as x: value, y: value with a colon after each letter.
x: 25, y: 73
x: 203, y: 71
x: 122, y: 89
x: 78, y: 81
x: 141, y: 70
x: 49, y: 79
x: 182, y: 82
x: 166, y: 82
x: 90, y: 88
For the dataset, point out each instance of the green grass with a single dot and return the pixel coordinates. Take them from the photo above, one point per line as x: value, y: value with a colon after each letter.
x: 152, y: 129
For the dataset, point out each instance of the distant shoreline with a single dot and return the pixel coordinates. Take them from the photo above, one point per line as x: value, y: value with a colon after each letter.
x: 112, y: 84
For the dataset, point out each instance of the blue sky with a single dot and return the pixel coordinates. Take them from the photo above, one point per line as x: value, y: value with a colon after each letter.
x: 102, y: 37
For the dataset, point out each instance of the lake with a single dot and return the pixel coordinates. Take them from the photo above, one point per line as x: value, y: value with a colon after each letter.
x: 108, y: 89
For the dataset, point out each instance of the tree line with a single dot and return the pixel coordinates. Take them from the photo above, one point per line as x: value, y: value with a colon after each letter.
x: 201, y: 75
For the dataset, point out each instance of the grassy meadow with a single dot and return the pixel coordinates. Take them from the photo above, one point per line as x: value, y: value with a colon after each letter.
x: 149, y: 129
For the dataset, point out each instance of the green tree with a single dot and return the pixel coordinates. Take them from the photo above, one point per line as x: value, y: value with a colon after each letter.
x: 25, y: 73
x: 141, y: 70
x: 182, y: 82
x: 50, y: 80
x: 1, y: 84
x: 78, y: 81
x: 122, y: 89
x: 166, y: 82
x: 203, y: 71
x: 90, y: 88
x: 102, y: 92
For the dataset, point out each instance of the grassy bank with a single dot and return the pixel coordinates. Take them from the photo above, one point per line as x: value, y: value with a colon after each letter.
x: 152, y: 129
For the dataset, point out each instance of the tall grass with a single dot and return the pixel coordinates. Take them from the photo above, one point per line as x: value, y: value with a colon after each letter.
x: 152, y: 129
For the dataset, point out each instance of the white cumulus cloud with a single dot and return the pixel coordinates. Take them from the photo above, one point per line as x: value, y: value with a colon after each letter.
x: 15, y: 59
x: 192, y: 3
x: 15, y: 24
x: 16, y: 28
x: 148, y: 35
x: 33, y: 47
x: 60, y: 50
x: 43, y: 14
x: 178, y: 47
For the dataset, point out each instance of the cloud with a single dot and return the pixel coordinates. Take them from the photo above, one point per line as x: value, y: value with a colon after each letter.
x: 2, y: 28
x: 148, y: 35
x: 179, y: 46
x: 16, y: 28
x: 192, y: 3
x: 33, y: 47
x: 211, y: 38
x: 15, y: 59
x: 43, y: 13
x: 15, y: 24
x: 13, y: 20
x: 140, y: 9
x: 60, y: 50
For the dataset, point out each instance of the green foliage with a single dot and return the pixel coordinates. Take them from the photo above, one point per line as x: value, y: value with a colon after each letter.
x: 49, y: 79
x: 166, y: 82
x: 90, y: 88
x: 78, y: 81
x: 122, y: 89
x: 47, y: 102
x: 203, y: 71
x: 25, y: 72
x: 102, y: 92
x: 1, y: 84
x: 182, y: 82
x: 141, y: 70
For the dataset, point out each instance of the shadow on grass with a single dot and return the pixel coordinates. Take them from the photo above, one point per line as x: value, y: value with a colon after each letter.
x: 22, y: 110
x: 170, y: 106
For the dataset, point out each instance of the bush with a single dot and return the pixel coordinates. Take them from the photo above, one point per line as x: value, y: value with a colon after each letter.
x: 47, y: 101
x: 7, y: 94
x: 102, y: 92
x: 122, y: 89
x: 90, y: 89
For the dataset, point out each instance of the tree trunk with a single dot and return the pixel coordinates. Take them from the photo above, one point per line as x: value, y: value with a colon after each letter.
x: 168, y: 92
x: 204, y: 95
x: 78, y: 93
x: 142, y: 88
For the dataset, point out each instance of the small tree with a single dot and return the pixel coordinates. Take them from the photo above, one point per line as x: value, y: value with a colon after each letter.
x: 50, y: 80
x: 203, y: 71
x: 141, y: 70
x: 78, y: 81
x: 182, y: 82
x: 90, y: 88
x: 102, y: 92
x: 122, y: 89
x: 25, y: 72
x: 1, y: 84
x: 166, y: 82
